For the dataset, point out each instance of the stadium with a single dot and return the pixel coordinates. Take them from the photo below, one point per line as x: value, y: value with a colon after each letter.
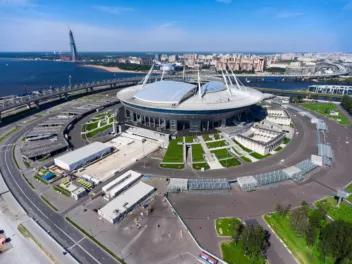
x: 193, y: 106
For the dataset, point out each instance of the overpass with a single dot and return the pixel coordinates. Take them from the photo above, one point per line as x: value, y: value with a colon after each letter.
x: 12, y: 102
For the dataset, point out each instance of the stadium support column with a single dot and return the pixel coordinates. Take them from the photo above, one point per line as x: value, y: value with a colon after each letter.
x: 173, y: 125
x: 208, y: 125
x: 154, y: 121
x: 149, y: 120
x: 223, y: 122
x: 144, y: 122
x: 159, y: 122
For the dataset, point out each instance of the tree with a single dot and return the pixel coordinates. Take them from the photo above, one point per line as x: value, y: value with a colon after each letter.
x: 286, y: 210
x: 254, y: 241
x: 237, y: 230
x: 299, y: 220
x: 336, y: 240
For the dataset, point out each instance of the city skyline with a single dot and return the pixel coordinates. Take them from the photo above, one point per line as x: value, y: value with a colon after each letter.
x: 219, y: 26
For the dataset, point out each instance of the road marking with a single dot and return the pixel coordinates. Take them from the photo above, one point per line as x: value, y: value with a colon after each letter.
x: 76, y: 243
x: 8, y: 168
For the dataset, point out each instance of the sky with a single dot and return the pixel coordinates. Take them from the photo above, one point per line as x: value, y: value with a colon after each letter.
x: 181, y: 25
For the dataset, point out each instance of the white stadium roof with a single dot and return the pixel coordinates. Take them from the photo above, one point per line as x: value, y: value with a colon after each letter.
x: 164, y: 92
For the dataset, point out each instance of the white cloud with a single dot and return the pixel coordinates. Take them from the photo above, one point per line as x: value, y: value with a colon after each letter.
x: 166, y: 25
x: 224, y: 1
x: 116, y: 10
x: 285, y: 14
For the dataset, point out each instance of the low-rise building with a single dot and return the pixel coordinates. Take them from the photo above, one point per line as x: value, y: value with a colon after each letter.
x: 125, y: 202
x: 278, y: 116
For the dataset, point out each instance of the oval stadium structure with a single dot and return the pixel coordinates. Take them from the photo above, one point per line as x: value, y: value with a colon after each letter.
x: 177, y: 105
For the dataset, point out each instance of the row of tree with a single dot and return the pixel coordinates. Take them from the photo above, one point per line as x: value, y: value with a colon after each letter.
x: 296, y: 99
x: 346, y: 103
x: 255, y: 240
x: 334, y: 238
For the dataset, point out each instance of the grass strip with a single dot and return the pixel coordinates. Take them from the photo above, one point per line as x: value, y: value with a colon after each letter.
x: 246, y: 159
x: 172, y: 166
x: 14, y: 158
x: 287, y: 140
x: 24, y: 231
x: 29, y: 183
x: 40, y: 179
x: 174, y: 152
x: 242, y: 147
x: 278, y: 148
x: 206, y: 138
x: 8, y: 133
x: 95, y: 241
x: 259, y: 156
x: 344, y: 212
x: 61, y: 190
x: 48, y: 203
x: 26, y: 164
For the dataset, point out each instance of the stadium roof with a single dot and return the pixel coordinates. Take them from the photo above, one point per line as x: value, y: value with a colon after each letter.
x: 164, y: 92
x: 213, y: 86
x: 83, y: 152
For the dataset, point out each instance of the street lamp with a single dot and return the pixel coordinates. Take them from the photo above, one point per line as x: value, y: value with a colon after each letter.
x: 143, y: 140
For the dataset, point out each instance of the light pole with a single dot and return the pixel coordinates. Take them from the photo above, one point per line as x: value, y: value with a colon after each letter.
x: 143, y: 140
x: 69, y: 80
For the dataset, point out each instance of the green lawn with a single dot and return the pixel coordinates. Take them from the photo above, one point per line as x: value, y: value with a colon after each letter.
x: 197, y: 153
x: 216, y: 136
x: 246, y: 159
x: 97, y: 131
x: 225, y: 226
x: 222, y: 153
x: 298, y: 246
x: 174, y: 152
x: 172, y: 166
x: 233, y: 254
x: 206, y: 138
x: 278, y: 148
x: 259, y: 156
x: 239, y: 154
x: 216, y: 144
x: 198, y: 166
x: 321, y: 108
x: 287, y: 140
x: 349, y: 189
x: 189, y: 139
x: 344, y: 212
x: 242, y: 147
x: 229, y: 163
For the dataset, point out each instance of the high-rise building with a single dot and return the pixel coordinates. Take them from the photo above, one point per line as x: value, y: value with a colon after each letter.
x: 73, y: 47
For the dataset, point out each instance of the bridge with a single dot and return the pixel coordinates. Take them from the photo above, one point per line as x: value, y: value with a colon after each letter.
x: 12, y: 102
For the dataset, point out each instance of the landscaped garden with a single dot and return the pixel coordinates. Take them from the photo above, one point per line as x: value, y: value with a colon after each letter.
x: 189, y: 139
x: 229, y: 162
x: 206, y: 138
x: 222, y: 153
x: 172, y: 166
x: 349, y: 189
x: 242, y: 147
x: 234, y: 254
x: 225, y: 226
x: 199, y: 166
x: 246, y: 159
x: 174, y: 152
x: 216, y: 144
x: 324, y: 109
x: 197, y: 153
x: 287, y: 140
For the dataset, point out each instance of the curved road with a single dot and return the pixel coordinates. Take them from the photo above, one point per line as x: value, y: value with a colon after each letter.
x: 81, y: 247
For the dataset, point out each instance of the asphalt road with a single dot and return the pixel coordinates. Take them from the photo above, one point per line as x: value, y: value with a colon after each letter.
x: 81, y: 247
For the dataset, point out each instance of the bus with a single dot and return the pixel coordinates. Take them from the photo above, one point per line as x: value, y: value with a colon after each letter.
x: 207, y: 258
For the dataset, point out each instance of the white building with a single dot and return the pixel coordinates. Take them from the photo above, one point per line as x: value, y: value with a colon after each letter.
x: 120, y: 184
x: 125, y: 202
x: 261, y: 140
x: 82, y: 156
x: 278, y: 116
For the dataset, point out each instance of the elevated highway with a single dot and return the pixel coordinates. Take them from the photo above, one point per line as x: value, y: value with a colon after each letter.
x: 11, y: 102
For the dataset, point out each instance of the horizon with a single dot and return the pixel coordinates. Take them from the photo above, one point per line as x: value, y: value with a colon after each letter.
x: 139, y: 26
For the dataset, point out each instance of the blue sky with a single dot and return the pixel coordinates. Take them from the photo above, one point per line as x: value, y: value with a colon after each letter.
x: 192, y: 25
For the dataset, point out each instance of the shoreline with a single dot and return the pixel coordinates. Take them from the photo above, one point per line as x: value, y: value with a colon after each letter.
x: 110, y: 69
